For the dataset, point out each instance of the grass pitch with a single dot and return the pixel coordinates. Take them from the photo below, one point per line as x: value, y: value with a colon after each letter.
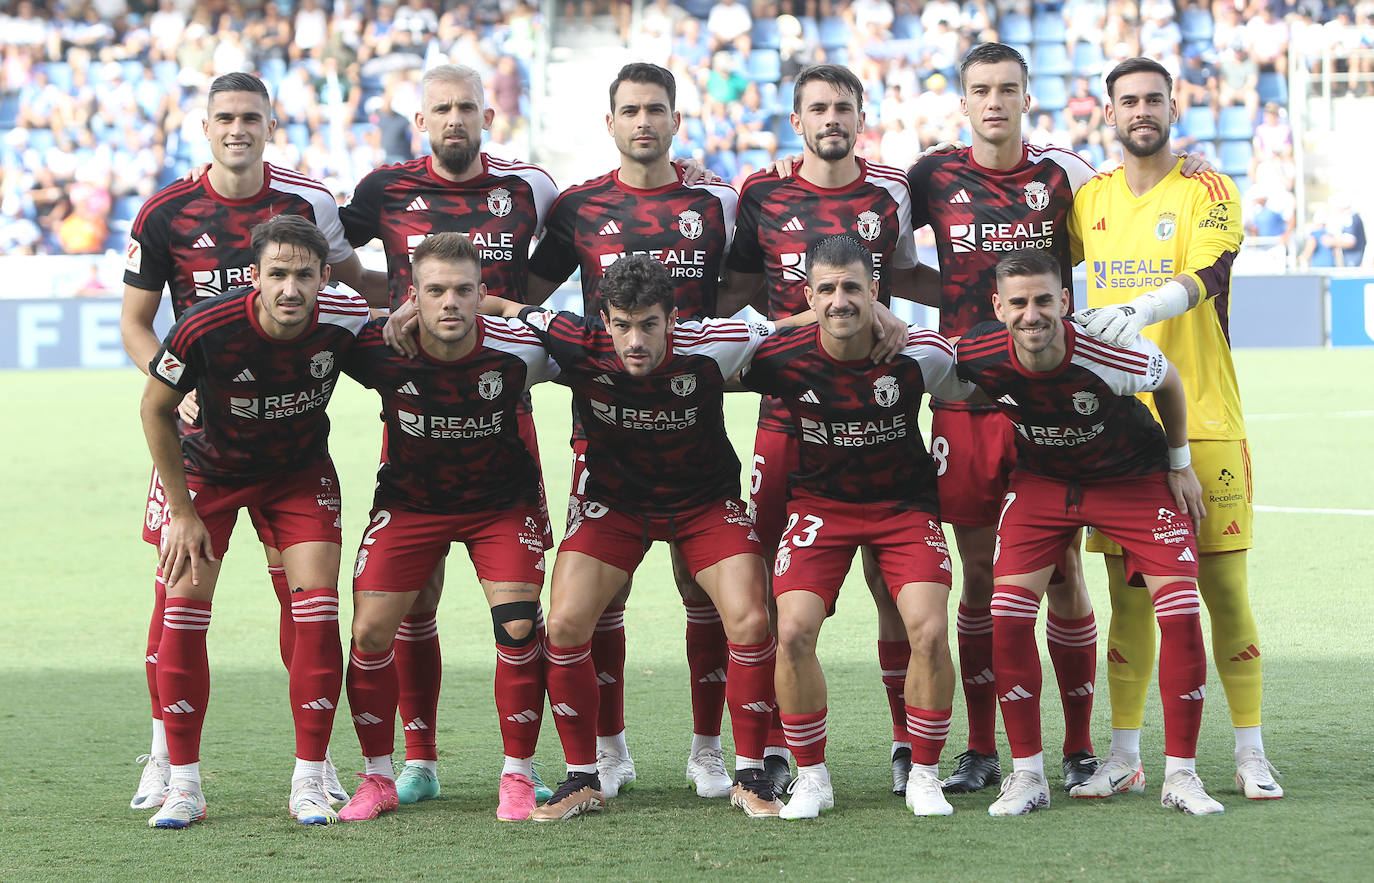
x: 76, y: 590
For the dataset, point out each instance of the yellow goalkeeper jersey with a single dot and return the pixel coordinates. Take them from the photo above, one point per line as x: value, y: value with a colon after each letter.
x: 1133, y: 244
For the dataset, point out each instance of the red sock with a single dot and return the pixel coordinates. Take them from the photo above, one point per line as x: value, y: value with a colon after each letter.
x: 708, y: 655
x: 419, y: 672
x: 520, y: 696
x: 573, y: 697
x: 608, y: 658
x: 1016, y: 660
x: 286, y: 626
x: 183, y: 676
x: 316, y: 669
x: 893, y: 659
x: 155, y: 636
x: 1073, y: 652
x: 749, y: 689
x: 372, y: 697
x: 806, y: 736
x: 1182, y: 667
x: 927, y: 731
x: 974, y: 627
x: 776, y: 737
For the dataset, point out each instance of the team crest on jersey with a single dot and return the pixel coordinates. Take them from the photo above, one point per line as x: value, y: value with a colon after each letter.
x: 684, y: 384
x: 783, y: 562
x: 886, y: 391
x: 870, y: 225
x: 1037, y: 195
x: 1165, y: 226
x: 321, y: 364
x: 1085, y: 403
x: 489, y: 385
x: 499, y: 202
x: 689, y: 223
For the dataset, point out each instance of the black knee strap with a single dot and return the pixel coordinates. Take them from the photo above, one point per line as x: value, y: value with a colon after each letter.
x: 510, y: 612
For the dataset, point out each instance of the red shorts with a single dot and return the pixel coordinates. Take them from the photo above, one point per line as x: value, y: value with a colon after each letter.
x: 156, y: 509
x: 1038, y: 521
x: 400, y: 548
x: 974, y: 453
x: 299, y: 508
x: 704, y: 536
x: 776, y: 456
x: 822, y: 535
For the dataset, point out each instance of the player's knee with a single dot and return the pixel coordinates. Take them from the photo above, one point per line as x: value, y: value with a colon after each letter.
x: 796, y: 639
x: 513, y: 623
x: 564, y: 632
x: 978, y: 582
x: 372, y: 637
x: 750, y: 628
x: 929, y: 640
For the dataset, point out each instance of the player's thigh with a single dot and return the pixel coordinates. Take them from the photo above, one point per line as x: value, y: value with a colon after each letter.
x: 1140, y: 516
x: 817, y: 549
x: 925, y: 613
x: 506, y: 547
x: 582, y: 587
x: 1033, y: 530
x: 737, y: 586
x: 974, y: 453
x: 687, y: 585
x: 800, y: 616
x: 401, y: 551
x: 203, y: 589
x: 1223, y: 469
x: 714, y: 532
x: 908, y: 546
x: 376, y: 617
x: 303, y: 514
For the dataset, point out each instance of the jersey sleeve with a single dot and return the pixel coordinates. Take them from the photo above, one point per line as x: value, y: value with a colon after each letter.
x: 1080, y: 207
x: 733, y: 342
x: 327, y: 219
x: 904, y: 257
x: 565, y: 335
x: 360, y: 218
x: 917, y: 183
x: 361, y: 360
x: 529, y: 348
x: 761, y: 372
x: 148, y: 256
x: 729, y: 206
x: 745, y: 254
x: 1217, y: 234
x: 177, y: 363
x: 934, y: 353
x: 1140, y: 367
x: 545, y: 194
x: 555, y: 257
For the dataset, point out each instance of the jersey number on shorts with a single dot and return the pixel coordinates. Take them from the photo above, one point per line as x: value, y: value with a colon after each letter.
x: 1006, y: 504
x: 807, y: 536
x: 939, y: 449
x: 756, y: 477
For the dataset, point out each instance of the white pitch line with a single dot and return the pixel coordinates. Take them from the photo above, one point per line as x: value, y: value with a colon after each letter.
x: 1295, y: 510
x: 1317, y: 415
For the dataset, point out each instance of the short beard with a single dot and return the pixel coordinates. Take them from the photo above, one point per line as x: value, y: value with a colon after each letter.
x: 830, y: 152
x: 1149, y: 148
x: 456, y: 159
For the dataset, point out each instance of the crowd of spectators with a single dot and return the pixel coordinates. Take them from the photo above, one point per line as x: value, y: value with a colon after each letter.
x: 103, y: 99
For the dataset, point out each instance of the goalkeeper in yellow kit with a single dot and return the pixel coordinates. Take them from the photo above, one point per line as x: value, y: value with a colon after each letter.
x: 1159, y: 249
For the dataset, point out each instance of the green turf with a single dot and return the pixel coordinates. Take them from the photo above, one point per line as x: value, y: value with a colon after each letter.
x: 76, y: 592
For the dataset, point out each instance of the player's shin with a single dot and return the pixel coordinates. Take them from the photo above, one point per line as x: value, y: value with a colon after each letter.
x: 154, y: 638
x: 974, y: 627
x: 1072, y: 645
x: 893, y: 658
x: 1130, y: 647
x: 520, y: 688
x: 372, y: 698
x: 1182, y: 666
x: 573, y: 700
x: 1016, y: 664
x: 750, y: 694
x: 608, y: 659
x: 316, y: 669
x: 419, y: 672
x: 707, y: 659
x: 1235, y: 634
x: 183, y: 675
x: 286, y: 625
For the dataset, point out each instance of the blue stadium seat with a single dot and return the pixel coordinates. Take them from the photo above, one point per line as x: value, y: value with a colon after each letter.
x: 696, y: 130
x: 765, y: 33
x: 788, y: 140
x: 273, y: 71
x: 765, y: 66
x: 126, y: 208
x: 810, y: 31
x: 907, y: 27
x: 1195, y: 23
x: 1048, y: 27
x: 839, y: 55
x: 1088, y: 58
x: 784, y: 102
x: 298, y: 134
x: 60, y: 75
x: 167, y: 74
x: 834, y: 32
x: 1242, y: 184
x: 41, y: 140
x: 1235, y: 124
x: 723, y: 163
x: 757, y: 157
x: 768, y: 92
x: 1272, y: 87
x: 1234, y: 157
x: 133, y: 70
x: 1051, y: 59
x: 1023, y: 48
x: 9, y: 111
x: 697, y: 8
x: 1200, y: 123
x: 1051, y: 93
x: 1014, y: 28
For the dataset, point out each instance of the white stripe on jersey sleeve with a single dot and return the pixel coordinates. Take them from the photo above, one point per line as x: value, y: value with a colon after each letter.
x: 730, y: 342
x: 347, y: 310
x: 894, y: 182
x: 1140, y: 367
x: 729, y: 205
x: 541, y: 185
x: 1079, y: 170
x: 514, y: 337
x: 934, y: 353
x: 322, y: 201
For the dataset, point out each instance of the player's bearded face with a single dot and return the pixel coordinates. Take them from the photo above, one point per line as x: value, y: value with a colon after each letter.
x: 454, y: 116
x: 829, y: 121
x: 640, y: 337
x: 238, y: 126
x: 446, y: 295
x: 843, y: 299
x: 289, y: 279
x: 643, y: 123
x: 1142, y: 111
x: 1033, y: 309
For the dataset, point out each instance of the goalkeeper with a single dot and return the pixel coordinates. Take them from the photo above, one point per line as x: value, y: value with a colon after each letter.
x: 1146, y: 230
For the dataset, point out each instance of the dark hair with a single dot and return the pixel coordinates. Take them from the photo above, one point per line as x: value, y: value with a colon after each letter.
x: 840, y: 250
x: 644, y: 72
x: 636, y: 282
x: 1135, y: 66
x: 842, y: 78
x: 1029, y: 262
x: 990, y: 53
x: 292, y: 230
x: 238, y: 82
x: 451, y: 247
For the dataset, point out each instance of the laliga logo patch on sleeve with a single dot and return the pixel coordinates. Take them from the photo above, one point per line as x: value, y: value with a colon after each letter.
x: 170, y: 368
x: 133, y: 257
x: 540, y: 319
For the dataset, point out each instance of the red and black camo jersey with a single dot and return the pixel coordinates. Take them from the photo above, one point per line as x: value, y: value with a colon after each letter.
x: 780, y: 218
x: 656, y: 445
x: 262, y: 401
x: 502, y: 210
x: 197, y: 242
x: 1080, y: 421
x: 979, y: 214
x: 857, y: 421
x: 686, y: 227
x: 453, y: 443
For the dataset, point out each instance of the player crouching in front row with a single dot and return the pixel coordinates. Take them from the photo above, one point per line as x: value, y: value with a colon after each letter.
x: 1088, y: 454
x: 263, y: 363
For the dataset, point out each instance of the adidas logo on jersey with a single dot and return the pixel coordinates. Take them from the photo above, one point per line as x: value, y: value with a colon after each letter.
x: 321, y: 704
x: 418, y: 204
x: 960, y: 198
x: 610, y: 229
x: 1015, y: 694
x: 528, y: 716
x: 179, y: 707
x: 794, y: 226
x: 604, y: 378
x: 416, y: 725
x: 408, y: 389
x: 1187, y: 555
x: 1101, y: 225
x: 810, y: 397
x: 563, y: 709
x: 204, y: 241
x: 366, y: 718
x: 1008, y: 400
x: 244, y: 376
x: 1199, y: 694
x: 1231, y: 530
